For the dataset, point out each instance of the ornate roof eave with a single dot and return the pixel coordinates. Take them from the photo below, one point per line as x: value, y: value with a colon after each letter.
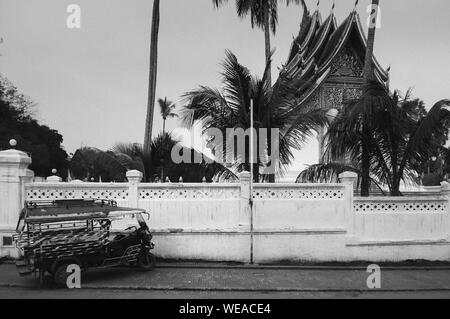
x: 382, y: 74
x: 294, y: 62
x: 380, y: 79
x: 323, y: 37
x: 343, y: 39
x: 308, y: 67
x: 316, y: 85
x: 312, y: 29
x: 335, y: 24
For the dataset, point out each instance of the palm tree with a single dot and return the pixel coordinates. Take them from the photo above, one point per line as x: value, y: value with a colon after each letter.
x: 152, y: 75
x: 111, y: 166
x: 400, y: 137
x: 274, y: 107
x: 167, y: 110
x: 157, y: 163
x: 264, y: 15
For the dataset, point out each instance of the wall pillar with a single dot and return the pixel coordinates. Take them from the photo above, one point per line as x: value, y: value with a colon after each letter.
x: 445, y: 191
x: 134, y: 177
x: 349, y: 179
x: 246, y: 210
x: 14, y: 174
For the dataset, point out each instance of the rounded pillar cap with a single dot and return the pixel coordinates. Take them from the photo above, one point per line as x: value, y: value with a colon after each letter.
x: 134, y: 176
x: 14, y: 156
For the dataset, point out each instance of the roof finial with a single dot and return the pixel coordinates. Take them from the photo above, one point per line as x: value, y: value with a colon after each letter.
x: 318, y: 3
x: 334, y: 4
x: 356, y: 4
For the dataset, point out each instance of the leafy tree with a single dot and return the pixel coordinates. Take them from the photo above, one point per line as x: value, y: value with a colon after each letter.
x: 40, y: 141
x: 93, y: 164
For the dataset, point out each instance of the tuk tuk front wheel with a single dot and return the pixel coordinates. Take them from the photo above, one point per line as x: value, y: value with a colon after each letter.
x: 146, y: 261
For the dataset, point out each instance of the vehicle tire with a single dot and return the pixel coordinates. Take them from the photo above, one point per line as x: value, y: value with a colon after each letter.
x: 146, y: 261
x: 60, y: 275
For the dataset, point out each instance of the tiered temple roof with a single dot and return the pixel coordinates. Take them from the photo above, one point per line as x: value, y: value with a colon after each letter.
x: 325, y: 52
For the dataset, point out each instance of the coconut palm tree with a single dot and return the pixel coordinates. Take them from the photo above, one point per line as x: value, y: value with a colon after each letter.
x: 167, y: 110
x: 94, y: 164
x: 158, y: 164
x: 274, y: 107
x: 152, y: 75
x: 398, y: 135
x: 263, y: 14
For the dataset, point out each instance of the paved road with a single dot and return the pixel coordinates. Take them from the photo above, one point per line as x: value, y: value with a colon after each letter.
x: 216, y: 281
x: 27, y: 293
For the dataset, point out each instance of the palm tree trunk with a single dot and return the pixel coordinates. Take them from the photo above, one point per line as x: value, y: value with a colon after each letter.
x: 267, y: 39
x: 365, y: 168
x: 271, y: 177
x: 164, y: 126
x: 368, y: 76
x: 368, y: 63
x: 152, y: 75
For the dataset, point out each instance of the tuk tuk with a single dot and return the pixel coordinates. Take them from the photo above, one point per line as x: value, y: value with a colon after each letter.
x: 51, y: 235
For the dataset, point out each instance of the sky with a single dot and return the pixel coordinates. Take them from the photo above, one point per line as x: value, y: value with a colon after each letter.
x: 91, y: 83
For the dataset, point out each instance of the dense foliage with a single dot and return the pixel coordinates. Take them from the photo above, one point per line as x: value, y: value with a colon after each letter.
x: 389, y: 136
x: 40, y: 141
x: 91, y: 164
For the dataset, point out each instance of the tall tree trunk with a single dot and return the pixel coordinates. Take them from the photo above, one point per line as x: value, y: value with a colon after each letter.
x: 271, y: 177
x: 152, y: 76
x: 369, y: 77
x: 368, y: 63
x: 365, y: 168
x: 267, y: 39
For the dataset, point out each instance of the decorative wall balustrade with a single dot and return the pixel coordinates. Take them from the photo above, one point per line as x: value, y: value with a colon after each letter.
x: 188, y: 191
x: 429, y: 204
x: 54, y: 191
x: 298, y: 191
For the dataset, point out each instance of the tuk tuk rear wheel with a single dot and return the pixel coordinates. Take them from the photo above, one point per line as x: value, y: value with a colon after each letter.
x: 146, y: 261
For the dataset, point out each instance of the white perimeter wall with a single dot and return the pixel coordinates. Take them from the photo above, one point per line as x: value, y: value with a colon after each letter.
x: 288, y: 222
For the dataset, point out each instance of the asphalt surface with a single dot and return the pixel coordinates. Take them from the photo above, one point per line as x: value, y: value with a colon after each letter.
x: 223, y: 281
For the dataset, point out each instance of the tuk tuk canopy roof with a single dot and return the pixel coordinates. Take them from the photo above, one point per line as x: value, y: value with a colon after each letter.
x: 39, y: 212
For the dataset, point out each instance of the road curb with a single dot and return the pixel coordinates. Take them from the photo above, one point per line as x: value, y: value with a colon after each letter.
x: 237, y: 289
x: 284, y: 267
x: 294, y: 267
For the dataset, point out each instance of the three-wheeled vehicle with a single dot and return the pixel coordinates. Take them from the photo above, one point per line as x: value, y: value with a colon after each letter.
x: 54, y: 234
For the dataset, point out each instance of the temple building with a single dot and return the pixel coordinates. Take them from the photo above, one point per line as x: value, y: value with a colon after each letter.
x: 326, y: 62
